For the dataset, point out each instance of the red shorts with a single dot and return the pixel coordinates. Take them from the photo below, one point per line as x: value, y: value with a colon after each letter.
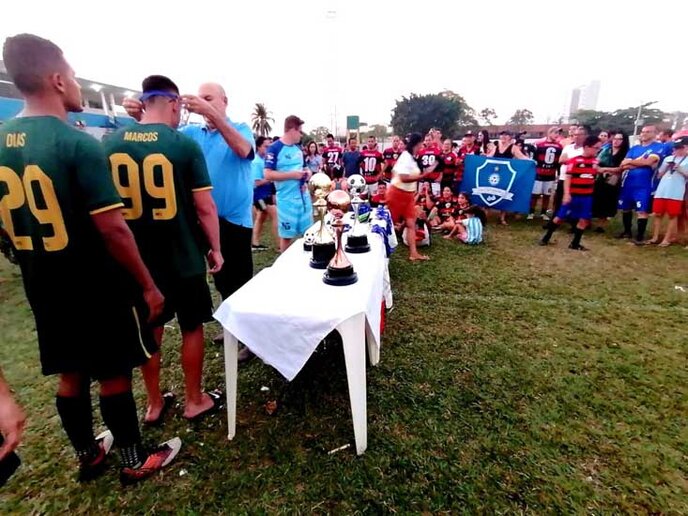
x: 670, y: 207
x: 401, y: 204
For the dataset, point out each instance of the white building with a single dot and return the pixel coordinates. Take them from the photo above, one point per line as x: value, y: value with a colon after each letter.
x: 584, y: 97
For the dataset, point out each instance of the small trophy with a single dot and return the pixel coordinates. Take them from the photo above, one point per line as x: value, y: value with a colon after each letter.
x: 358, y: 240
x: 339, y: 272
x: 322, y: 245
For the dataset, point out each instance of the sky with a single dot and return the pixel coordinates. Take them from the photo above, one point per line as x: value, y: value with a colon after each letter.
x: 314, y: 58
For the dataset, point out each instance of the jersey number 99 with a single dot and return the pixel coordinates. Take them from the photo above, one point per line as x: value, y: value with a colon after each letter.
x: 132, y: 189
x: 22, y: 191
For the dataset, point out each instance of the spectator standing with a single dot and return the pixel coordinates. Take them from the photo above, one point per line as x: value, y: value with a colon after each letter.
x: 263, y: 195
x: 351, y: 158
x: 608, y: 180
x: 314, y: 161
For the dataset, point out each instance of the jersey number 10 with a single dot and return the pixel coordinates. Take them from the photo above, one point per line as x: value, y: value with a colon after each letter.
x: 132, y: 190
x: 21, y: 191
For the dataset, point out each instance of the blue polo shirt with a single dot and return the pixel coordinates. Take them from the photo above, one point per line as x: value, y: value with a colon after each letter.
x: 231, y: 175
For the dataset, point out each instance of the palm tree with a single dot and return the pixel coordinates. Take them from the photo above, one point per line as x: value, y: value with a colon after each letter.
x: 261, y: 120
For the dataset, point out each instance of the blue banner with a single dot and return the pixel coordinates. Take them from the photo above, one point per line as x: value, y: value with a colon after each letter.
x: 501, y: 184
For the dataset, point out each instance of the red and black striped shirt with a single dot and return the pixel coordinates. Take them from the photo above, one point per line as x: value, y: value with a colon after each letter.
x: 582, y: 171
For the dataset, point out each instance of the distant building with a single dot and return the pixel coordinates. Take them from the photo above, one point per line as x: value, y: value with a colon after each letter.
x: 584, y: 97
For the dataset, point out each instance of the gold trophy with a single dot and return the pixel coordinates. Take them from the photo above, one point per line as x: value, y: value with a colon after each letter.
x: 339, y: 272
x: 323, y: 248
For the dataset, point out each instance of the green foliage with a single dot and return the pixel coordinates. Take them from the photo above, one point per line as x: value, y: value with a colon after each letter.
x: 621, y: 119
x: 520, y: 118
x: 488, y: 115
x: 261, y: 120
x: 318, y: 134
x: 377, y: 130
x: 446, y: 111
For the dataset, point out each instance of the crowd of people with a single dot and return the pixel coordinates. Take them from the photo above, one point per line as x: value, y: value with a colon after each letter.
x: 121, y: 235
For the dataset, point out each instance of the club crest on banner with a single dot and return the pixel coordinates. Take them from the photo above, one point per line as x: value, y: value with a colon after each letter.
x: 493, y: 181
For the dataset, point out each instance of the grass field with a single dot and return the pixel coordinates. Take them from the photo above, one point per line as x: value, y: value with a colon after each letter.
x: 513, y: 378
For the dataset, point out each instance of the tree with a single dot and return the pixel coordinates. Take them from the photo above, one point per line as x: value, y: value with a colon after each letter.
x: 520, y: 118
x: 261, y: 120
x: 318, y: 134
x: 377, y: 130
x: 619, y: 120
x: 446, y: 111
x: 488, y: 115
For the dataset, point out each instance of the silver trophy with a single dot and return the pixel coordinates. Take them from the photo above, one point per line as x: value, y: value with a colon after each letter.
x: 357, y: 241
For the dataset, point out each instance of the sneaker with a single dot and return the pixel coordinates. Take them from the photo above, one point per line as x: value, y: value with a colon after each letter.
x: 93, y: 468
x: 530, y: 216
x: 543, y: 243
x: 156, y: 460
x: 546, y: 217
x: 578, y: 248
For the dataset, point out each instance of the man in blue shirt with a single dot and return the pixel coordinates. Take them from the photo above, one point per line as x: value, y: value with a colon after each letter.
x: 284, y: 164
x: 351, y: 159
x: 636, y: 186
x: 228, y: 148
x: 263, y: 199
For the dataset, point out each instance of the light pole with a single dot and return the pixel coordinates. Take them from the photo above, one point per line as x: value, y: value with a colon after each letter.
x: 638, y: 121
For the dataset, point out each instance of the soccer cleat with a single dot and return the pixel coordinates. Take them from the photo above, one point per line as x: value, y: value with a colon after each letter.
x: 530, y: 216
x: 545, y: 217
x: 543, y: 242
x: 578, y: 248
x: 90, y: 469
x: 156, y: 460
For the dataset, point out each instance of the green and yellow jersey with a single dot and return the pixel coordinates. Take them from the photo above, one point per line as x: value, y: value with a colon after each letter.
x: 52, y: 179
x: 156, y: 170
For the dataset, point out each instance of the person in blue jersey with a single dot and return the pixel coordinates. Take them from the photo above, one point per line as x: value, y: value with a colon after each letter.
x: 285, y: 166
x: 263, y: 199
x: 636, y: 185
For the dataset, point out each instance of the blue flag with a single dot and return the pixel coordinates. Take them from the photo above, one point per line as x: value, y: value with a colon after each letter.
x: 501, y: 184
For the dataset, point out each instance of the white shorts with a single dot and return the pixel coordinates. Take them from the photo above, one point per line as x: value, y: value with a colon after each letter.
x: 543, y: 187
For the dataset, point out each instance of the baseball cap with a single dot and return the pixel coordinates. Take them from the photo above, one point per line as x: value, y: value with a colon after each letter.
x: 681, y: 142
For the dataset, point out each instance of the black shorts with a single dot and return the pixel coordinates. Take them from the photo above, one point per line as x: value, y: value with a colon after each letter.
x: 260, y: 204
x: 187, y: 298
x: 101, y: 337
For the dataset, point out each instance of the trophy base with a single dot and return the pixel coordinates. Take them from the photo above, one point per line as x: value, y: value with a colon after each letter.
x: 322, y: 254
x: 357, y: 244
x: 307, y: 247
x: 340, y: 277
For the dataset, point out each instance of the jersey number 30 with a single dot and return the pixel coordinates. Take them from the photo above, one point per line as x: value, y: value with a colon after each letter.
x: 132, y: 189
x: 21, y: 191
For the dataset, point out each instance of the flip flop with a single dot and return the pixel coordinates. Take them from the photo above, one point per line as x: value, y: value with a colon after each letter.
x: 216, y: 396
x: 168, y: 400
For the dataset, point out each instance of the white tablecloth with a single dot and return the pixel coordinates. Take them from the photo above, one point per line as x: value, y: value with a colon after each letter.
x: 284, y: 312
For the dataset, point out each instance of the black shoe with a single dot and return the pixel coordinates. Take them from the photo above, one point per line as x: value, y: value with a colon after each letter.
x: 92, y: 468
x: 623, y: 235
x: 245, y: 355
x: 543, y: 243
x: 578, y: 248
x: 599, y: 230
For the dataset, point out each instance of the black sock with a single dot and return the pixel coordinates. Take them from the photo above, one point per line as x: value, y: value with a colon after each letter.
x: 119, y: 415
x: 77, y: 421
x: 577, y: 235
x: 627, y: 221
x: 551, y: 228
x: 642, y: 226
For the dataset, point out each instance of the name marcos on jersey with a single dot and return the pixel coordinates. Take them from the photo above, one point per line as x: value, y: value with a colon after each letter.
x: 140, y: 137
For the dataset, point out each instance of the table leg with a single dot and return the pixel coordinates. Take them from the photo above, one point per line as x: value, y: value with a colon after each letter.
x: 231, y: 367
x: 373, y: 348
x: 353, y: 339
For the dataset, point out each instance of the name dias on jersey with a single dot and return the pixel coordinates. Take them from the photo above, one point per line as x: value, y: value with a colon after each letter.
x: 15, y: 140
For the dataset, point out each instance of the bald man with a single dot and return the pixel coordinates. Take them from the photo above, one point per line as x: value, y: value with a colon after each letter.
x: 228, y: 148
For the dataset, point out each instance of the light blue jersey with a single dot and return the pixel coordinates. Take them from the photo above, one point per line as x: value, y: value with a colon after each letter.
x: 474, y: 230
